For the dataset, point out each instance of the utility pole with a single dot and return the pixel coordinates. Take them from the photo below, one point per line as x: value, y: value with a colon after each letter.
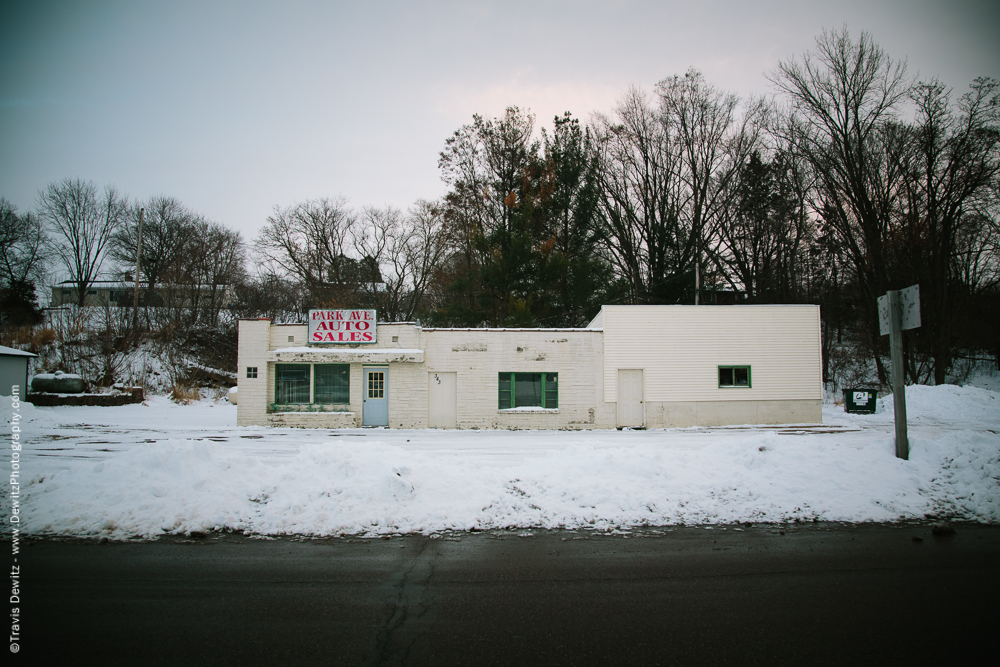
x: 898, y: 382
x: 138, y: 260
x: 899, y: 310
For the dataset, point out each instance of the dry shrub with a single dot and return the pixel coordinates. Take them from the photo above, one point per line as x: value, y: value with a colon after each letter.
x: 43, y: 338
x: 32, y: 339
x: 184, y: 395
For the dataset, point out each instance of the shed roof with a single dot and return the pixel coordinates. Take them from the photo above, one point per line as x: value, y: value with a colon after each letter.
x: 13, y: 352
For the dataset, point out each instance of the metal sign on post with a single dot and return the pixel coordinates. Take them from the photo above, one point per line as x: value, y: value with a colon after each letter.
x: 897, y: 312
x: 909, y: 303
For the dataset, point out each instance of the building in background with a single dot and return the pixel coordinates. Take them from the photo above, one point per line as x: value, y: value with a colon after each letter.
x: 117, y: 293
x: 633, y: 366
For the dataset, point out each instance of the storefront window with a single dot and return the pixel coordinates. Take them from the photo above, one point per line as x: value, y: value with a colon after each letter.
x: 522, y: 390
x: 291, y: 384
x: 332, y: 383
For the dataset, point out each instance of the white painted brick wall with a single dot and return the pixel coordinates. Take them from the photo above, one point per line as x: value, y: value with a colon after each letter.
x: 478, y: 356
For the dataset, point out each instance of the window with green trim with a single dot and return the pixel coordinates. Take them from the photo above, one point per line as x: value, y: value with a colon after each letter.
x: 734, y: 376
x: 332, y: 383
x: 291, y: 384
x: 523, y: 390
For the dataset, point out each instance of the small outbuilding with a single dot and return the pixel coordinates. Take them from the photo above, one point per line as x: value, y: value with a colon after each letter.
x: 633, y: 366
x: 14, y: 370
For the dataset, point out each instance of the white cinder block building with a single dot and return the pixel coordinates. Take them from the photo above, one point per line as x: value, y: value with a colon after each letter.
x: 633, y: 366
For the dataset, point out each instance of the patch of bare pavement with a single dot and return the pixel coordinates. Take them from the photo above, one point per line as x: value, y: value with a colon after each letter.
x: 710, y: 595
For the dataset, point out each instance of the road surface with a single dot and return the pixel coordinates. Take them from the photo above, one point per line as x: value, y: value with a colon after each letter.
x: 736, y: 595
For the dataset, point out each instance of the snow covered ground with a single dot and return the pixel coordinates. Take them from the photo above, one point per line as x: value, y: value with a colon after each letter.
x: 146, y: 470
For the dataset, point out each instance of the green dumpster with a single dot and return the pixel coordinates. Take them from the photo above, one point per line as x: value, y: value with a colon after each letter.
x: 860, y: 401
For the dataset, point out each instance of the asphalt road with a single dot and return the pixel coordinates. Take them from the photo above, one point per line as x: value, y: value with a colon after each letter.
x: 817, y: 594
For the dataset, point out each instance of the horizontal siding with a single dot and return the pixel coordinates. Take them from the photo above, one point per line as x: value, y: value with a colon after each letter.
x: 680, y: 348
x: 252, y: 351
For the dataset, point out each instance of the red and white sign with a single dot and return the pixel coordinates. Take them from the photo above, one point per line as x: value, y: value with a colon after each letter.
x: 328, y: 326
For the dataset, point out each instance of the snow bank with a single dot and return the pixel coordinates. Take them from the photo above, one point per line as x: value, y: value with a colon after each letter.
x: 374, y: 488
x: 947, y: 402
x: 378, y: 482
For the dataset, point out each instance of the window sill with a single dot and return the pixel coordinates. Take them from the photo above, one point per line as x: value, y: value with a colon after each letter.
x: 311, y: 412
x: 315, y: 408
x: 527, y: 410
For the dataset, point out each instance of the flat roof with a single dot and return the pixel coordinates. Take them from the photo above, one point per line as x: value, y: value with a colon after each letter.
x: 508, y: 329
x: 346, y: 350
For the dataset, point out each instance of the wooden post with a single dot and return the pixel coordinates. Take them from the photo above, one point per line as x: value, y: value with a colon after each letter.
x: 898, y: 383
x: 135, y: 297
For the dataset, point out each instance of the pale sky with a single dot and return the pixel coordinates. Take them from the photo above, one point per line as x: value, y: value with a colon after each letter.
x: 236, y: 107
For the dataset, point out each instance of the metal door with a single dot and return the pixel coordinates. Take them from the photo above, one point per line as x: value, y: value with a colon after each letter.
x: 441, y: 400
x: 631, y: 410
x: 375, y: 411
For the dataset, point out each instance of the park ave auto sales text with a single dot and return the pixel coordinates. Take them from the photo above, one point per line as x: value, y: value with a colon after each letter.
x: 328, y: 326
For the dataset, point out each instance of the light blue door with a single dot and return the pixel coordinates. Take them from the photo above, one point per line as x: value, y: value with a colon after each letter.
x: 376, y: 397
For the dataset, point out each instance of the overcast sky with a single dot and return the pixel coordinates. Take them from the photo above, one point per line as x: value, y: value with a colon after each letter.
x: 235, y: 107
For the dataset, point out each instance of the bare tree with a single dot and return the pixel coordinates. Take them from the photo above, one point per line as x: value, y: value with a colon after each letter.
x: 168, y: 233
x: 701, y: 119
x: 84, y: 222
x: 639, y: 173
x: 406, y: 250
x: 764, y: 227
x: 665, y: 171
x: 23, y: 244
x: 205, y: 276
x: 953, y: 173
x: 843, y: 99
x: 426, y: 249
x: 266, y: 294
x: 310, y: 242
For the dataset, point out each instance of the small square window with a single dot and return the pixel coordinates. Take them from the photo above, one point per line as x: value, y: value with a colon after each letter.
x: 291, y: 339
x: 251, y: 371
x: 395, y: 339
x: 734, y: 376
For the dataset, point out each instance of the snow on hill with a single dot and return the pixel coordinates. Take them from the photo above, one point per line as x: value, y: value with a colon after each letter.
x: 146, y: 470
